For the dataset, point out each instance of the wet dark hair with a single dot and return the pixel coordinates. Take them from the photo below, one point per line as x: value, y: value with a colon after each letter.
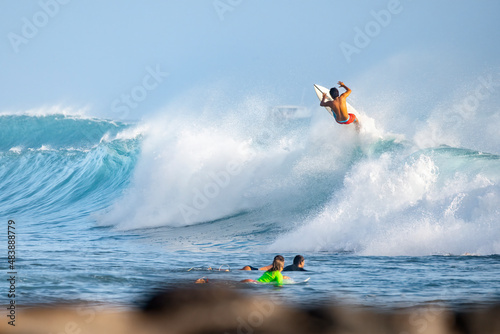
x: 278, y: 263
x: 334, y: 93
x: 298, y: 260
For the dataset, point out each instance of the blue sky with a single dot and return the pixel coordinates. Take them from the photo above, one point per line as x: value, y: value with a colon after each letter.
x: 92, y: 53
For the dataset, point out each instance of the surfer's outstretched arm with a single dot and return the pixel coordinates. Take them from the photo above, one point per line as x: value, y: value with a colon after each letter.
x: 347, y: 89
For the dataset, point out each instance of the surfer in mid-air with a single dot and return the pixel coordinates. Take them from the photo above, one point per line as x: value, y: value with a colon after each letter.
x: 339, y: 106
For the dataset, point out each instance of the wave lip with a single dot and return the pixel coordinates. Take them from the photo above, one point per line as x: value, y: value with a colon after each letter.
x: 53, y: 131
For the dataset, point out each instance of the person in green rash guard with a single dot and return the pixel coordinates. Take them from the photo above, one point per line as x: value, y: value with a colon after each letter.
x: 273, y: 275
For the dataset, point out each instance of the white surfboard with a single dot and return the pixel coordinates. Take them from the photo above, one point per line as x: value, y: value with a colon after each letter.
x: 319, y: 91
x: 291, y: 281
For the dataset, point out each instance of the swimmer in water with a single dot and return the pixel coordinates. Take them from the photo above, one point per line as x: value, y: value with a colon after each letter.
x: 298, y: 264
x: 273, y: 275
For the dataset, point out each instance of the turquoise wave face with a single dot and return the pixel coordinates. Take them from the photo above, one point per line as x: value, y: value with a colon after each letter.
x: 57, y: 167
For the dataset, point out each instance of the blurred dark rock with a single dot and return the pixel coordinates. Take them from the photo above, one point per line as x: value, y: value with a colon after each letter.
x: 205, y: 310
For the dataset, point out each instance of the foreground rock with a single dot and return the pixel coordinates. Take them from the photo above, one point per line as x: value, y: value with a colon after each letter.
x: 208, y: 310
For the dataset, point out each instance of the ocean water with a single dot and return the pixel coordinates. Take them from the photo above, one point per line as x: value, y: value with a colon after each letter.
x: 107, y: 211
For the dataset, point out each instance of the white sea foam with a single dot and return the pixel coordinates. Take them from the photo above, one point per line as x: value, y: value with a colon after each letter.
x: 413, y: 208
x: 16, y: 149
x: 195, y: 170
x: 200, y: 169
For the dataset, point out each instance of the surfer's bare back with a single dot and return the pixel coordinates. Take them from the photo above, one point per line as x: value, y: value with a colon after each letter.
x: 339, y: 106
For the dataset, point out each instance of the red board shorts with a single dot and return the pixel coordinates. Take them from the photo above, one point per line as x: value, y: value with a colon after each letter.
x: 351, y: 119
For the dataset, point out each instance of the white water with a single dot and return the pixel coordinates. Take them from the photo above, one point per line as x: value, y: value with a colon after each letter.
x: 390, y: 207
x: 379, y: 193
